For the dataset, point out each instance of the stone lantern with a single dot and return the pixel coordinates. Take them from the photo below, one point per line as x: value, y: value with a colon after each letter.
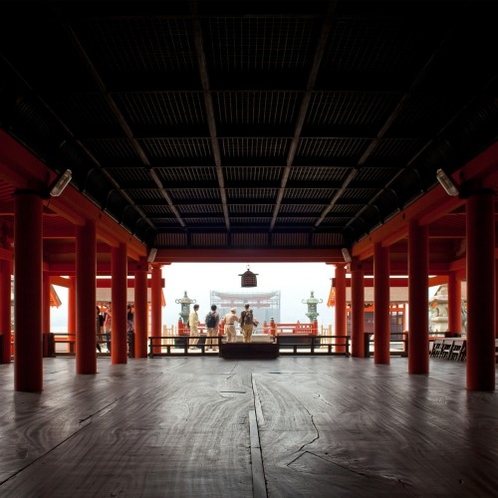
x: 185, y: 302
x: 312, y: 301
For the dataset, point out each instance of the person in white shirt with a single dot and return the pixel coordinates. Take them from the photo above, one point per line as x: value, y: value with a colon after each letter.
x: 193, y: 325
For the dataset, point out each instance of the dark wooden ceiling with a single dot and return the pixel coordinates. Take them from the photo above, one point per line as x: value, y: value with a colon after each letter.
x: 248, y: 124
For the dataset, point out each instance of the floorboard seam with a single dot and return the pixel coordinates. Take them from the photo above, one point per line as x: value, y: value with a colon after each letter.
x: 258, y: 473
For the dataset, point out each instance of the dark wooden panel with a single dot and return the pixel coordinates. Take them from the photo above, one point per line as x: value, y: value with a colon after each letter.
x: 251, y: 350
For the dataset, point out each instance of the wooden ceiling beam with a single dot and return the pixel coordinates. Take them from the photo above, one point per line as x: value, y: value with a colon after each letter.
x: 260, y: 255
x: 22, y: 170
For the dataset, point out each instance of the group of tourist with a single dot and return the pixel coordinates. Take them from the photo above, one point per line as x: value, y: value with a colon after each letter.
x: 104, y: 325
x: 246, y: 320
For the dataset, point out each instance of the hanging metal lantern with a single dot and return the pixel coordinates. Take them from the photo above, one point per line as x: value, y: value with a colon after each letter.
x: 248, y: 278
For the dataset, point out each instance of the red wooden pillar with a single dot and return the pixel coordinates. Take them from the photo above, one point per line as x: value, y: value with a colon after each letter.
x: 71, y: 306
x: 46, y: 312
x: 382, y: 323
x: 496, y: 300
x: 481, y: 300
x: 28, y: 256
x: 454, y: 303
x: 5, y: 306
x: 46, y: 302
x: 86, y: 271
x: 119, y: 296
x: 340, y: 304
x: 156, y: 311
x: 418, y: 299
x: 357, y: 310
x: 141, y: 310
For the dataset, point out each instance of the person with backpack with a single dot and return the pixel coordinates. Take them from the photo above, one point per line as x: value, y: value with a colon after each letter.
x: 247, y: 323
x: 212, y: 322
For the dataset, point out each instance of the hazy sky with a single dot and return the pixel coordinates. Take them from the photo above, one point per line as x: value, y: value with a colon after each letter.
x: 295, y: 281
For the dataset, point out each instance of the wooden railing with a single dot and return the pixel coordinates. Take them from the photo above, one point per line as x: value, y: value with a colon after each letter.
x: 292, y: 338
x: 64, y: 344
x: 271, y: 328
x: 181, y: 345
x: 398, y: 344
x: 290, y: 328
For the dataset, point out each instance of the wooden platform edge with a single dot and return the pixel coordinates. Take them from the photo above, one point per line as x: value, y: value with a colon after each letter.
x: 249, y: 350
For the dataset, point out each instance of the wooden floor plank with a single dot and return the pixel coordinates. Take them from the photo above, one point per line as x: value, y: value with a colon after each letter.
x: 185, y: 427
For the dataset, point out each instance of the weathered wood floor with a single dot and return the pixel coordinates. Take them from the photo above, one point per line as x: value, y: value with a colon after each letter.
x: 211, y: 427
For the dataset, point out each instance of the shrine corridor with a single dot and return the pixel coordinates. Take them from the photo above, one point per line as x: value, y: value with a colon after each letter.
x: 209, y: 427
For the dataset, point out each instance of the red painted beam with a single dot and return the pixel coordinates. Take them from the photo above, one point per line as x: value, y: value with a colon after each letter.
x: 22, y: 170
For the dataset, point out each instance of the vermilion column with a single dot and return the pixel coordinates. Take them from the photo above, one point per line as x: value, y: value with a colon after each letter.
x: 340, y: 303
x: 86, y: 271
x: 496, y: 301
x: 119, y: 295
x: 382, y: 324
x: 5, y: 308
x: 28, y: 255
x: 141, y: 310
x: 156, y: 315
x: 46, y: 302
x: 71, y: 306
x: 418, y: 299
x: 46, y: 313
x: 481, y: 300
x: 454, y: 303
x: 357, y: 310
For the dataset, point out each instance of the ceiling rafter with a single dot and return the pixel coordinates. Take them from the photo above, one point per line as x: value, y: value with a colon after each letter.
x: 303, y: 109
x: 208, y: 102
x: 403, y: 102
x: 323, y: 120
x: 67, y: 27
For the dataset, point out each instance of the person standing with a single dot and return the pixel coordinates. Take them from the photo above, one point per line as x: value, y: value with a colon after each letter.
x: 100, y: 324
x: 130, y: 328
x: 247, y: 323
x: 108, y: 326
x: 193, y: 325
x: 212, y: 324
x: 230, y: 319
